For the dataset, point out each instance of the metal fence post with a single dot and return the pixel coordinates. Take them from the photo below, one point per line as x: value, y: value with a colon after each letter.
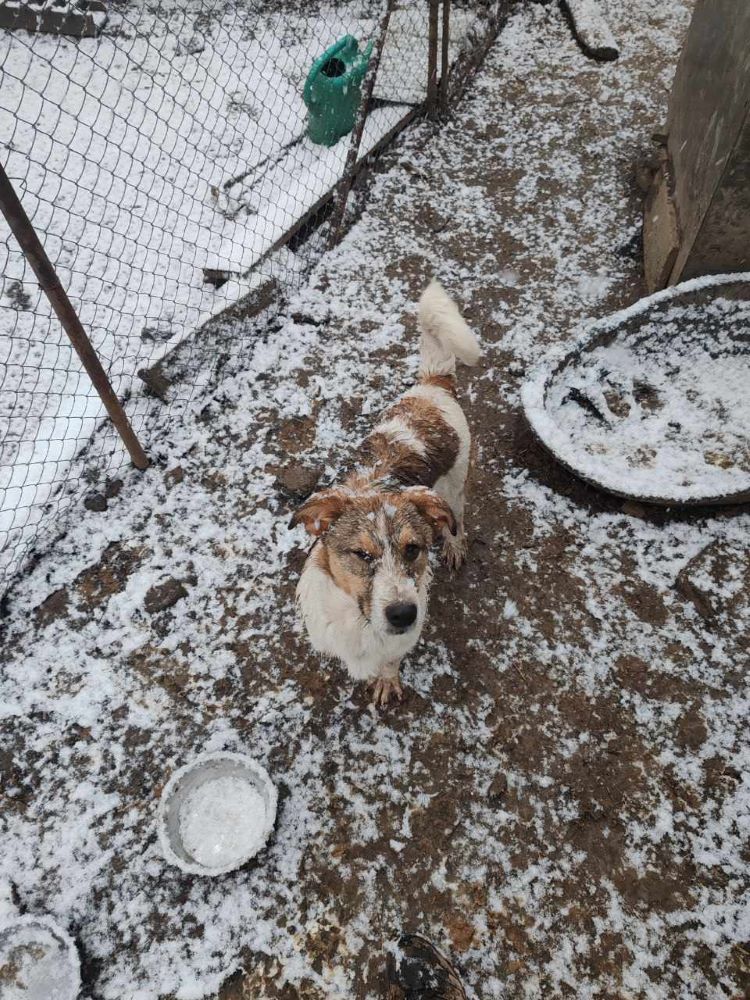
x: 345, y: 184
x: 21, y: 227
x: 445, y: 61
x: 432, y: 57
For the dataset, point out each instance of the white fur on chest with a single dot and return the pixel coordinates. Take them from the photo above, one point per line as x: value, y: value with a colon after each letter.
x: 336, y: 627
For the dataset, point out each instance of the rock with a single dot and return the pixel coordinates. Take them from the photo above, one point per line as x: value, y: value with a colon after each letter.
x: 214, y: 481
x: 692, y: 732
x: 298, y: 480
x: 156, y: 382
x: 113, y: 488
x: 96, y: 502
x: 174, y: 476
x: 164, y: 595
x: 94, y: 585
x: 196, y: 45
x: 17, y: 296
x: 297, y: 434
x: 716, y: 581
x: 498, y: 789
x: 460, y: 930
x: 52, y: 607
x: 434, y: 221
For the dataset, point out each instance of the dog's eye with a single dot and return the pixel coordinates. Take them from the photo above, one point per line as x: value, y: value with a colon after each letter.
x: 364, y: 556
x: 411, y: 552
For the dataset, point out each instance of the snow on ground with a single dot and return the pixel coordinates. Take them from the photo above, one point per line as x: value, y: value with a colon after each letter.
x: 562, y: 802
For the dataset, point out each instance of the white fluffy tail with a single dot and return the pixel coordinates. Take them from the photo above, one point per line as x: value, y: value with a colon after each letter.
x: 445, y: 334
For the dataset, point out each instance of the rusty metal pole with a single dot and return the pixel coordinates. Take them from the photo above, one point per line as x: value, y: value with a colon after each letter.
x: 22, y: 229
x: 445, y: 61
x: 345, y: 184
x: 432, y: 57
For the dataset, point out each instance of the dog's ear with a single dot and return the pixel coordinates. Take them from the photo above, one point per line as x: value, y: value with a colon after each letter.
x: 319, y: 512
x: 433, y: 509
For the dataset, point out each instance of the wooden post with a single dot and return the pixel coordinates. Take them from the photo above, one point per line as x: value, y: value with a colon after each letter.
x: 432, y: 56
x: 345, y: 184
x: 697, y: 213
x: 445, y: 61
x: 709, y: 142
x: 35, y: 254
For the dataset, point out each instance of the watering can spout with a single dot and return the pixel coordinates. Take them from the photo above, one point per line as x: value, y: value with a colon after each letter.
x: 333, y: 90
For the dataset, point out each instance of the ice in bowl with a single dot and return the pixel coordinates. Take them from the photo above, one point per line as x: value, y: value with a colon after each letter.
x: 216, y: 813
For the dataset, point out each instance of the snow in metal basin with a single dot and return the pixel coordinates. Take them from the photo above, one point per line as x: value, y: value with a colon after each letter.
x: 653, y: 401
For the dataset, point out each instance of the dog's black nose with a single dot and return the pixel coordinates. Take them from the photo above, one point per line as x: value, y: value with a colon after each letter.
x: 401, y: 615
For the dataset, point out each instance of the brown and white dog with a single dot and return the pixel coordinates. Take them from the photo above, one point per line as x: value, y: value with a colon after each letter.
x: 363, y: 590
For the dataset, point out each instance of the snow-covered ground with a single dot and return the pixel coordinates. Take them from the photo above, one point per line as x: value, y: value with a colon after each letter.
x: 172, y: 143
x: 562, y: 802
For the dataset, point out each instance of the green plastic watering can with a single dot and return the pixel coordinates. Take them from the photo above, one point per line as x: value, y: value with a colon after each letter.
x: 333, y: 90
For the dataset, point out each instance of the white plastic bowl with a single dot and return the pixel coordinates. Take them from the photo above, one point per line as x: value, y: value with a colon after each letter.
x: 38, y: 960
x: 196, y: 783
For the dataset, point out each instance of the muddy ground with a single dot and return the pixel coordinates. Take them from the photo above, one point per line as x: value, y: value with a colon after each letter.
x: 559, y: 801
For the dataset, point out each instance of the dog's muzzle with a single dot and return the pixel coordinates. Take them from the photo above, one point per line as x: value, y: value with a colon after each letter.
x: 401, y: 616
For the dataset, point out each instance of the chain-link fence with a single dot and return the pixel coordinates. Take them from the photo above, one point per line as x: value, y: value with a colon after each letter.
x: 160, y: 149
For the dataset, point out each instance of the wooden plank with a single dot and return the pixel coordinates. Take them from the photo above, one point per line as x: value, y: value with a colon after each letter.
x: 590, y: 30
x: 660, y: 234
x: 708, y: 138
x: 722, y: 244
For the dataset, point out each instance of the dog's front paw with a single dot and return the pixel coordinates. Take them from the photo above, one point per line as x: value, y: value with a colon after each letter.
x: 454, y: 551
x: 383, y: 688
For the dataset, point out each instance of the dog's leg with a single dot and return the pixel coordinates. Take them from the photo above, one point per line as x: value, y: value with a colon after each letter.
x: 454, y: 546
x: 387, y: 684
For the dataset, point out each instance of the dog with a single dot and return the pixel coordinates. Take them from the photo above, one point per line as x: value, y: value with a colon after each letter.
x: 362, y: 593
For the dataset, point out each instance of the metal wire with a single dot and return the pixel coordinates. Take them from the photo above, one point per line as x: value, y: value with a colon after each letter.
x: 163, y: 161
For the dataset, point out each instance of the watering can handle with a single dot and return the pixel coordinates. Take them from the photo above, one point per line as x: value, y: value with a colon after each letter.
x: 329, y: 53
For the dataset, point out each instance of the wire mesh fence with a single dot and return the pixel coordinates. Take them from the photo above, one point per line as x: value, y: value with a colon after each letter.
x: 162, y: 150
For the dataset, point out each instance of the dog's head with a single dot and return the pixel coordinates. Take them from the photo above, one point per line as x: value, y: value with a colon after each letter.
x: 375, y: 548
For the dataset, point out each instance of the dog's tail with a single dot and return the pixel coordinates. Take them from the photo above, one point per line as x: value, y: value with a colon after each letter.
x: 445, y: 334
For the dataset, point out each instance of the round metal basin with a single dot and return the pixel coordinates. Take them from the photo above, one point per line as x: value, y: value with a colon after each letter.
x: 653, y: 402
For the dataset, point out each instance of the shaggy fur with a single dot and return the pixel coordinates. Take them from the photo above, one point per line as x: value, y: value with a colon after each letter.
x: 363, y: 591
